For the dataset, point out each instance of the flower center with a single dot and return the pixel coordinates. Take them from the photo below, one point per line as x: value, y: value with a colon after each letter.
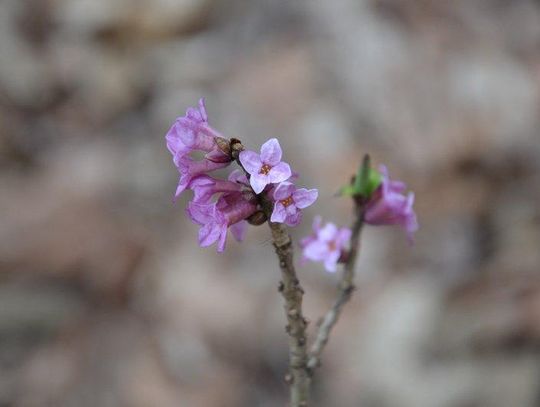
x: 265, y: 169
x: 332, y: 245
x: 286, y: 202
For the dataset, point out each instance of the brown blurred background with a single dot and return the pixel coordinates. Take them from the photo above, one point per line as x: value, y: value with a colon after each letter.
x: 106, y: 298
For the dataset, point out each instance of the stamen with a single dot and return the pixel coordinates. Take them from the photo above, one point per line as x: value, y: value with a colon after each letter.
x: 332, y: 245
x: 265, y: 169
x: 286, y: 202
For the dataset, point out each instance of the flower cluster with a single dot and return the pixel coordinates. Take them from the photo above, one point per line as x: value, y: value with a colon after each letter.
x: 266, y: 170
x: 219, y: 205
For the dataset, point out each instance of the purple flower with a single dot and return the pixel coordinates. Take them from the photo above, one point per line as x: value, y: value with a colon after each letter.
x: 326, y: 244
x: 266, y: 168
x: 215, y: 218
x: 238, y: 176
x: 389, y: 206
x: 288, y: 202
x: 189, y: 169
x: 204, y: 187
x: 192, y: 132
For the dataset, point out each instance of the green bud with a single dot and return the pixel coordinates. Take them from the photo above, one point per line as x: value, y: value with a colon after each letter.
x: 366, y: 181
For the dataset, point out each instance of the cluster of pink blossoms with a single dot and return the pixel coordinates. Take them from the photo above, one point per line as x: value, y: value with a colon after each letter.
x: 218, y: 205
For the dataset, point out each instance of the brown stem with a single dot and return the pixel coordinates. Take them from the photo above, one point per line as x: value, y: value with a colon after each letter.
x: 345, y: 290
x: 292, y: 292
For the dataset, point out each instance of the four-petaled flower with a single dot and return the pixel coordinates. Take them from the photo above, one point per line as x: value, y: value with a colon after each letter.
x: 267, y: 167
x: 326, y: 244
x: 389, y: 206
x: 288, y: 202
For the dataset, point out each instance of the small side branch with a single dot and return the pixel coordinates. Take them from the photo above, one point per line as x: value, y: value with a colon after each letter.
x: 345, y: 290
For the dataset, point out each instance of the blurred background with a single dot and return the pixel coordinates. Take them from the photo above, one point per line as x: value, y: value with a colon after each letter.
x: 106, y: 298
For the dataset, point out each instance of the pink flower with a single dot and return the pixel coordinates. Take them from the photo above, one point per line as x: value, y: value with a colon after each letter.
x: 192, y: 132
x: 289, y: 201
x: 215, y: 218
x: 189, y: 169
x: 267, y: 167
x: 326, y: 244
x: 389, y: 206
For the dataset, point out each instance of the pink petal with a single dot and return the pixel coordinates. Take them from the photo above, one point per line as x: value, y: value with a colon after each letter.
x: 174, y: 144
x: 201, y: 214
x: 238, y: 176
x: 258, y: 182
x: 294, y: 220
x: 291, y: 210
x: 283, y: 191
x: 281, y: 172
x: 316, y: 251
x: 278, y: 214
x: 202, y: 110
x: 222, y: 239
x: 397, y: 186
x: 239, y: 230
x: 328, y: 232
x: 271, y: 152
x: 251, y: 161
x: 303, y: 197
x: 209, y: 234
x: 307, y: 240
x: 330, y: 262
x: 182, y: 185
x: 201, y: 180
x: 343, y: 237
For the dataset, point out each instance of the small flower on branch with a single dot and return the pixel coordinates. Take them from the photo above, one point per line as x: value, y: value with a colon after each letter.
x: 289, y: 201
x: 383, y: 199
x: 265, y: 168
x: 327, y: 244
x: 390, y: 206
x: 193, y: 133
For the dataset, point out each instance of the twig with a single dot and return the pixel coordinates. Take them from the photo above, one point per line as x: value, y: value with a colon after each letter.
x: 345, y: 290
x: 292, y: 292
